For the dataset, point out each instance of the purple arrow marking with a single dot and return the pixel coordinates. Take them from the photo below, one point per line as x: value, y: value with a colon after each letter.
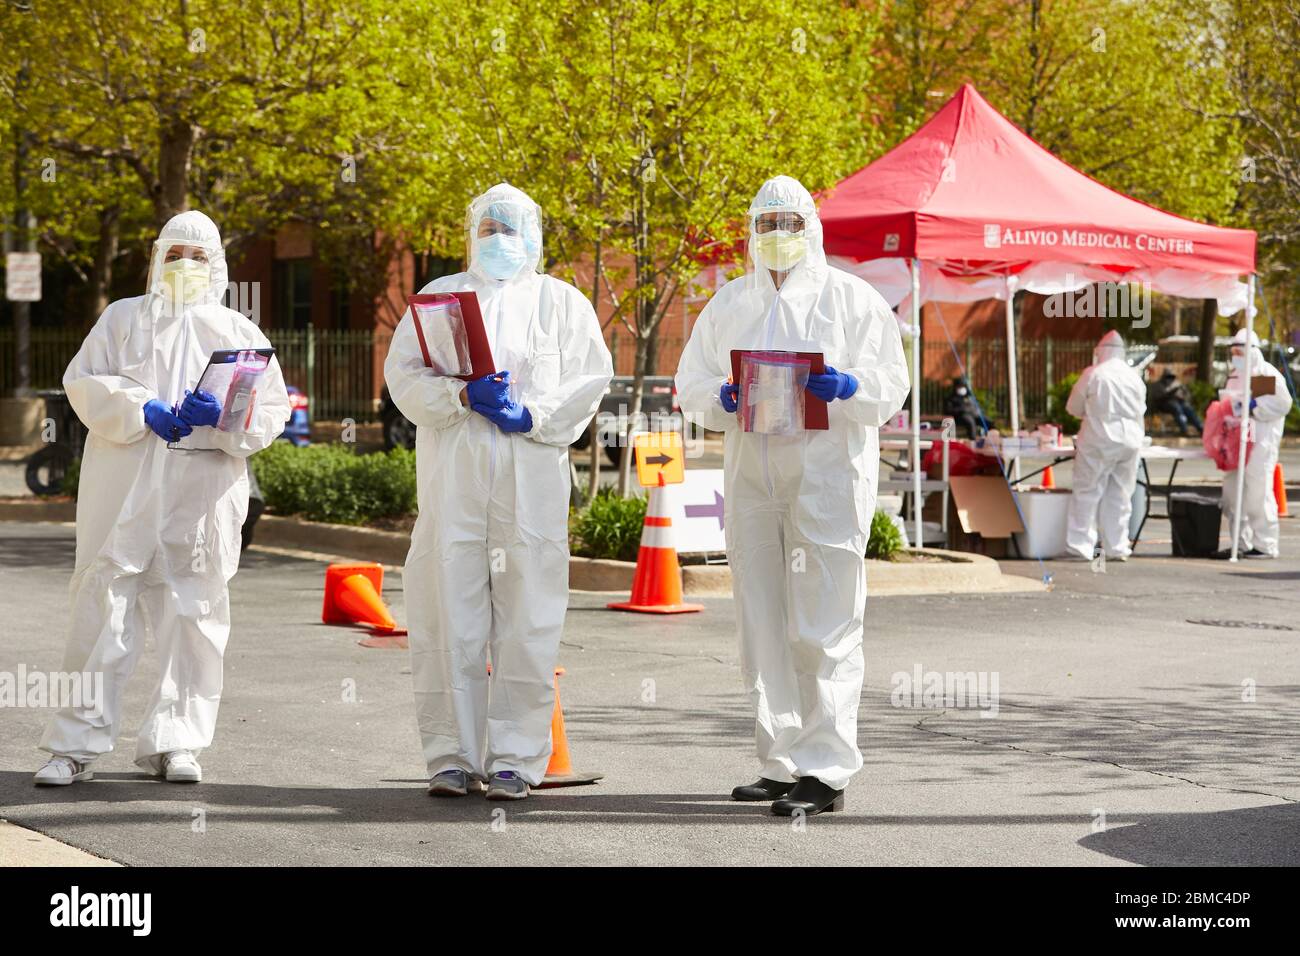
x: 707, y: 511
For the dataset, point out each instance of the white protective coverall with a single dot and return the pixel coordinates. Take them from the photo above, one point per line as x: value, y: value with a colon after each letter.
x: 488, y: 567
x: 1259, y: 525
x: 799, y: 507
x: 158, y: 529
x: 1111, y: 398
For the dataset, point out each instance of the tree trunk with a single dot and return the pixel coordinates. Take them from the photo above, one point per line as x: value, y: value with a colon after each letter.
x: 101, y: 276
x: 593, y: 446
x: 176, y: 146
x: 23, y: 240
x: 1205, y: 354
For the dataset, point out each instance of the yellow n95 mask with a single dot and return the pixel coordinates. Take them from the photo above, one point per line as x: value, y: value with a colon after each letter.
x: 186, y: 280
x: 779, y: 250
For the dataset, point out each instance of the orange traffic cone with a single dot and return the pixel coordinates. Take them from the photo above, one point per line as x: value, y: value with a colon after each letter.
x: 1279, y: 491
x: 657, y: 587
x: 1049, y: 480
x: 352, y: 596
x: 560, y: 772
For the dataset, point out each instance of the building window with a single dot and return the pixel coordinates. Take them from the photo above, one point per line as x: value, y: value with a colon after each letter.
x: 341, y: 303
x: 293, y: 288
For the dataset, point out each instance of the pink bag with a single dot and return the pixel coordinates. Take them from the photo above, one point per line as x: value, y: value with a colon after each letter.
x: 1221, y: 436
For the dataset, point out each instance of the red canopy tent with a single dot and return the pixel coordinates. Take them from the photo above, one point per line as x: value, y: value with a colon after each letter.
x: 969, y: 207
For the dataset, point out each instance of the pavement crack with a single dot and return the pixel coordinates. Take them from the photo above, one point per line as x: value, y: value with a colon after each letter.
x: 920, y: 725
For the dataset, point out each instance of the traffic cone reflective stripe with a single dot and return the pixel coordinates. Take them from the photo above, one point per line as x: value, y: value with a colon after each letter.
x: 1279, y: 491
x: 657, y: 586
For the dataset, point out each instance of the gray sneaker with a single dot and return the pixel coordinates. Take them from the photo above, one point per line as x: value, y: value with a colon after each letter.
x: 507, y: 785
x: 453, y: 783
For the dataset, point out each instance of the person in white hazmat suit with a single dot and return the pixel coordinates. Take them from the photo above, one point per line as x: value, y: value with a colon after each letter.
x: 1259, y: 525
x: 1111, y: 398
x: 488, y: 568
x: 158, y: 528
x: 799, y: 506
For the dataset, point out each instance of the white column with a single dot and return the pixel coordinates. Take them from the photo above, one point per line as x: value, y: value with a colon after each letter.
x: 919, y: 540
x: 1245, y: 415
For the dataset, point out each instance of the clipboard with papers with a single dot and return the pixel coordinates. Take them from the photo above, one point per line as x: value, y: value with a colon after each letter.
x: 815, y: 416
x: 453, y: 341
x: 233, y: 377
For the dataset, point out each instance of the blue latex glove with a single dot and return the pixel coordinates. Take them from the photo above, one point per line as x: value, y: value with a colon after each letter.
x: 200, y: 409
x: 166, y: 424
x: 1253, y: 403
x: 511, y: 418
x: 832, y: 385
x: 492, y: 391
x: 729, y: 395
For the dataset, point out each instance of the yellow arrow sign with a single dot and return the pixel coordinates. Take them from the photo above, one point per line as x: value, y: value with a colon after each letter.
x: 660, y: 459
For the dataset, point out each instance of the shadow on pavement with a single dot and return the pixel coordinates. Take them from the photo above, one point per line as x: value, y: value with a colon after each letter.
x: 110, y: 798
x: 38, y: 552
x: 1257, y: 836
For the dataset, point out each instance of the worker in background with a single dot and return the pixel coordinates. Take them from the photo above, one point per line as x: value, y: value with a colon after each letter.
x: 1111, y: 398
x: 1267, y: 411
x: 1168, y: 396
x: 960, y: 405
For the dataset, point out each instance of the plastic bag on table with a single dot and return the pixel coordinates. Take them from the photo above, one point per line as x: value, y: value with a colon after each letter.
x: 772, y: 392
x: 444, y: 333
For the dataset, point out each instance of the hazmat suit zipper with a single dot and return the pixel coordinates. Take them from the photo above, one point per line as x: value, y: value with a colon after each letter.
x: 768, y: 335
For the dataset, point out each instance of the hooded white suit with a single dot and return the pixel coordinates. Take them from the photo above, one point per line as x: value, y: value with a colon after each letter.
x: 1259, y: 526
x: 1111, y: 399
x: 799, y: 507
x: 488, y: 567
x: 158, y: 530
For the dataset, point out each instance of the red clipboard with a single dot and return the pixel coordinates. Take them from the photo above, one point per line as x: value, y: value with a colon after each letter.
x: 480, y: 352
x: 815, y: 417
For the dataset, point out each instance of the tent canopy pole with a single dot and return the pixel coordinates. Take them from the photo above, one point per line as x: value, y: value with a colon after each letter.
x: 1245, y: 415
x: 916, y: 402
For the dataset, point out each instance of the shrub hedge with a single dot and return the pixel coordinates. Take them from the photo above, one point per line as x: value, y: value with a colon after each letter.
x: 331, y: 482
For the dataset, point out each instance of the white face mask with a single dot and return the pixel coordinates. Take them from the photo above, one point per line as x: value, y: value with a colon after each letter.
x: 185, y: 281
x: 779, y: 250
x: 502, y: 256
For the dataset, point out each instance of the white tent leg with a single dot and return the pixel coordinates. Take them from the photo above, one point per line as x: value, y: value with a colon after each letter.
x: 916, y: 402
x: 1245, y: 416
x: 1013, y: 385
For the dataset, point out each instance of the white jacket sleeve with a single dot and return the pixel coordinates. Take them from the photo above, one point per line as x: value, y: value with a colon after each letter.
x: 699, y: 379
x: 427, y: 399
x: 560, y: 415
x: 879, y: 365
x: 110, y: 405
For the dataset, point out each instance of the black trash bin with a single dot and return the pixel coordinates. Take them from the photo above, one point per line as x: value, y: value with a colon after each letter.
x: 1195, y: 522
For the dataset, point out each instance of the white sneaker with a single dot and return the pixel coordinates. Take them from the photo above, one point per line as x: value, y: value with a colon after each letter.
x: 179, y: 766
x: 61, y: 771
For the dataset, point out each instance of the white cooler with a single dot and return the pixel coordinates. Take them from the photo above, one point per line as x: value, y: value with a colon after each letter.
x: 1046, y: 514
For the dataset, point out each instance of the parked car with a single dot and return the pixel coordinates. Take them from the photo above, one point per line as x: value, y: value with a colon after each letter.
x: 659, y: 409
x: 298, y: 431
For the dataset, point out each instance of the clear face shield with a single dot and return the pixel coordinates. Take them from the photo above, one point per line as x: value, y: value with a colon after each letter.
x: 504, y: 234
x: 184, y: 275
x: 778, y: 240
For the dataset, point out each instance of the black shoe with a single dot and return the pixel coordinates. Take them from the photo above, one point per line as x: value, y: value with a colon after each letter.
x: 812, y: 797
x: 1256, y: 553
x: 764, y: 789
